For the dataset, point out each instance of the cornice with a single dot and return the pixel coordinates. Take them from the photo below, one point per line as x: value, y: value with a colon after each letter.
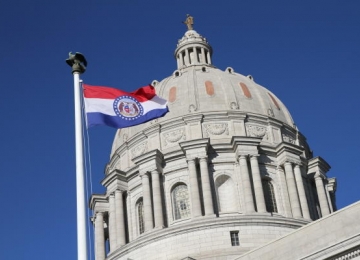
x: 332, y: 184
x: 256, y: 118
x: 148, y: 156
x: 173, y: 155
x: 192, y: 118
x: 289, y: 147
x: 173, y: 123
x: 194, y: 144
x: 237, y: 115
x: 318, y: 165
x: 215, y: 116
x: 151, y: 130
x: 244, y: 140
x: 95, y: 199
x: 274, y: 122
x: 115, y: 175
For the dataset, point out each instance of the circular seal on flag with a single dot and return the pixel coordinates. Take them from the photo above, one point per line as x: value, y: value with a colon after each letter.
x: 128, y: 108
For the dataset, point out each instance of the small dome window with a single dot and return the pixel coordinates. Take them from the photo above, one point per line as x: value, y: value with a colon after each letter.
x: 203, y: 69
x: 177, y: 73
x: 230, y: 70
x: 250, y: 77
x: 154, y: 83
x: 245, y: 90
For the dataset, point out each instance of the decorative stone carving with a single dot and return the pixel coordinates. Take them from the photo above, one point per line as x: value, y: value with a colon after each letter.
x: 255, y: 130
x: 288, y: 138
x: 216, y: 129
x: 270, y: 112
x: 125, y: 137
x: 233, y: 105
x: 174, y: 136
x: 154, y: 121
x: 138, y: 150
x: 192, y: 108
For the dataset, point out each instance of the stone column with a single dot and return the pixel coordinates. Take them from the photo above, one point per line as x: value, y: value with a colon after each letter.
x: 245, y: 179
x: 294, y: 199
x: 285, y: 205
x: 112, y: 223
x: 258, y: 189
x: 203, y: 60
x: 301, y: 190
x: 130, y: 214
x: 187, y: 57
x: 322, y: 195
x: 99, y: 236
x: 208, y: 57
x: 148, y: 217
x: 120, y: 222
x: 181, y: 59
x: 178, y: 60
x: 196, y: 61
x: 194, y: 189
x: 206, y: 186
x: 156, y: 189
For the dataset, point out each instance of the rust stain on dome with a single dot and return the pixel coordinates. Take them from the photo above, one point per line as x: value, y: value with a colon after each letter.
x: 245, y: 90
x: 274, y: 101
x: 172, y: 94
x: 209, y: 88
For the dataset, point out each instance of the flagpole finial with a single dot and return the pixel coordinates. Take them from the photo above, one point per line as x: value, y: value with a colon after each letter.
x: 77, y: 62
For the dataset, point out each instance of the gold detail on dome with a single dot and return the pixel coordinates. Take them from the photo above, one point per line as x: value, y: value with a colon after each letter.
x: 189, y: 22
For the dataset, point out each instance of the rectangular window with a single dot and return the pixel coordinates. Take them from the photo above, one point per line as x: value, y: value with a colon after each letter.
x: 234, y: 236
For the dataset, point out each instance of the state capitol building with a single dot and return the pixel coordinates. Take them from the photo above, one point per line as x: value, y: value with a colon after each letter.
x: 225, y: 175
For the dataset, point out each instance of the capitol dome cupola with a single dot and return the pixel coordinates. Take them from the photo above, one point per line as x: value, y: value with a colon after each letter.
x: 192, y: 49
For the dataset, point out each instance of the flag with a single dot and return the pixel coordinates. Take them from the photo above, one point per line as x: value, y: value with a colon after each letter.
x: 120, y: 109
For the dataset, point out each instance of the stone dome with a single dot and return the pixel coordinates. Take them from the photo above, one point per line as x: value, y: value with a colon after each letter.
x: 226, y: 163
x: 198, y: 87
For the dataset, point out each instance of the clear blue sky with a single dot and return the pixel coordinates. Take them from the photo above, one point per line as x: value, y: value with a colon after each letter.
x: 306, y: 52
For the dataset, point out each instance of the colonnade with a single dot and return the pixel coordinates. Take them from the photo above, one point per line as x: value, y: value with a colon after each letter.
x: 200, y: 55
x: 194, y: 187
x: 116, y: 226
x: 297, y: 195
x: 251, y: 181
x: 158, y: 219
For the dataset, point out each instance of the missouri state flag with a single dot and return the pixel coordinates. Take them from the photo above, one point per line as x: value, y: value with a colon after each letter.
x: 120, y: 109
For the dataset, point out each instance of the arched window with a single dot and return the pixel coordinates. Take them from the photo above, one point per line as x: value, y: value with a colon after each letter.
x: 180, y: 201
x: 226, y: 195
x: 269, y: 195
x: 140, y: 215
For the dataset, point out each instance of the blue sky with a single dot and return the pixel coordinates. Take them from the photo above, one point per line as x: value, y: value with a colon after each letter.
x: 306, y: 52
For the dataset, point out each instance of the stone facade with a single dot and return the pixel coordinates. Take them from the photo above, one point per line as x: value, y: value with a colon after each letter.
x: 224, y: 172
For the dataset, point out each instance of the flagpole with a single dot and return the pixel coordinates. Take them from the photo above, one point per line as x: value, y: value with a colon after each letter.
x: 78, y: 64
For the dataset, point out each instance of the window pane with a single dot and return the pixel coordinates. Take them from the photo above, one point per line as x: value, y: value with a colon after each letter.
x: 140, y: 211
x: 181, y: 205
x: 234, y: 236
x: 269, y: 194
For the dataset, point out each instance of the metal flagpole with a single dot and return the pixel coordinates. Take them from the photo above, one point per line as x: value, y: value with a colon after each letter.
x: 78, y: 64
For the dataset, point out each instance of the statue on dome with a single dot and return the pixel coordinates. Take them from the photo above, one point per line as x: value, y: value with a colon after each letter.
x: 189, y: 22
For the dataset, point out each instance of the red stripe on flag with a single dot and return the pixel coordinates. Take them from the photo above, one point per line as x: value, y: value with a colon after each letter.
x: 142, y: 94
